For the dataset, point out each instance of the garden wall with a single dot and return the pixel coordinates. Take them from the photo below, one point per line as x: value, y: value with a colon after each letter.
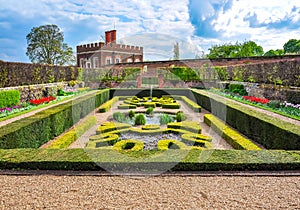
x: 34, y: 131
x: 19, y: 74
x: 268, y: 131
x: 29, y: 92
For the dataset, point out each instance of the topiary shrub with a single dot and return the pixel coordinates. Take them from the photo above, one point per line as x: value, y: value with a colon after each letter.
x: 170, y: 144
x: 131, y: 114
x: 129, y: 145
x: 140, y: 120
x: 165, y: 119
x: 180, y: 116
x: 119, y: 117
x: 150, y: 110
x: 191, y: 126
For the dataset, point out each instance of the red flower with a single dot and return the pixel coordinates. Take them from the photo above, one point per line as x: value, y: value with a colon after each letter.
x: 256, y: 100
x: 42, y: 100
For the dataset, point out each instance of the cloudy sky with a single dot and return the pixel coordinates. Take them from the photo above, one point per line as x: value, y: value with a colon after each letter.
x: 155, y: 24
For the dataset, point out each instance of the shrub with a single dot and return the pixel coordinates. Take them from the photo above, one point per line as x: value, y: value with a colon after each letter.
x: 191, y: 126
x: 165, y: 119
x: 170, y: 144
x: 35, y: 130
x: 236, y: 140
x: 126, y: 106
x: 131, y: 114
x: 171, y: 106
x: 9, y: 98
x: 111, y: 126
x: 69, y: 137
x: 180, y: 116
x: 150, y: 127
x: 102, y: 141
x: 194, y: 106
x: 119, y: 117
x: 150, y: 110
x: 107, y: 105
x: 129, y: 145
x: 140, y: 120
x: 150, y: 104
x: 236, y: 87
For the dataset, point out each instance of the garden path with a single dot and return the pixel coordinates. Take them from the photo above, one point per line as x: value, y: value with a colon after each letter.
x: 5, y: 122
x: 281, y: 117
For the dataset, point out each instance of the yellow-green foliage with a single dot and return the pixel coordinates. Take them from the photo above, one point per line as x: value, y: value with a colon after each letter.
x: 193, y: 137
x: 171, y: 106
x: 186, y: 125
x: 102, y: 140
x: 194, y: 106
x: 69, y: 137
x: 150, y: 104
x: 129, y: 145
x: 236, y: 140
x: 170, y: 144
x: 107, y: 105
x: 111, y: 126
x: 126, y: 106
x: 150, y: 127
x: 106, y: 136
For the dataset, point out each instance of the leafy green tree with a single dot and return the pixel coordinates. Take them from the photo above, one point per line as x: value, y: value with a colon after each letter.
x: 292, y: 47
x: 277, y: 52
x: 246, y: 49
x: 46, y: 45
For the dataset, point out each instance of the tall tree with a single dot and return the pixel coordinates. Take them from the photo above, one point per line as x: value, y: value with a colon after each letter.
x: 292, y: 47
x: 176, y: 51
x: 46, y: 45
x: 246, y: 49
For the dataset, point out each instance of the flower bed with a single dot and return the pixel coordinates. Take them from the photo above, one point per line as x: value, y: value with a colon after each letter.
x: 42, y: 100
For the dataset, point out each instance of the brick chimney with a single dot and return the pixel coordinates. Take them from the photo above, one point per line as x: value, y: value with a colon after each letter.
x: 110, y: 36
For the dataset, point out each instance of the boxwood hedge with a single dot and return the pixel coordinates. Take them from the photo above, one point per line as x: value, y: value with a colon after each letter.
x: 35, y: 130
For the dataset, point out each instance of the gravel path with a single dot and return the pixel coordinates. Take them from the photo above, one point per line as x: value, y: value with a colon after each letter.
x: 160, y: 192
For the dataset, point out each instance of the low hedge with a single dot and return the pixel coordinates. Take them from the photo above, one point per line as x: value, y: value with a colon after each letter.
x: 111, y: 126
x: 149, y: 161
x: 193, y: 137
x: 36, y: 130
x: 102, y: 141
x: 194, y: 106
x: 171, y: 144
x: 108, y: 105
x: 126, y: 106
x: 269, y: 131
x: 129, y: 145
x: 186, y: 125
x: 9, y: 98
x: 236, y: 140
x: 150, y: 127
x: 171, y: 106
x: 150, y: 104
x: 69, y: 137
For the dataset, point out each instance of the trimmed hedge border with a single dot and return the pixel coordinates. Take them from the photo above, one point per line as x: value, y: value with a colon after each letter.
x: 232, y: 137
x: 194, y: 106
x: 129, y: 145
x: 107, y: 105
x: 186, y: 125
x: 95, y: 160
x: 126, y: 106
x: 150, y: 127
x: 171, y: 144
x: 69, y: 137
x: 36, y: 130
x: 270, y: 132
